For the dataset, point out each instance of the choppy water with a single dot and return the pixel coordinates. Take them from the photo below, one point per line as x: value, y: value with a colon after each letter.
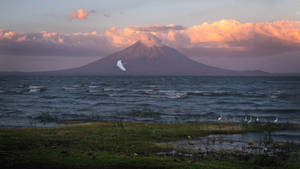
x: 35, y: 101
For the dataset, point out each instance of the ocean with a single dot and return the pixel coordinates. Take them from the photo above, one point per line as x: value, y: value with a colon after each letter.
x: 37, y: 101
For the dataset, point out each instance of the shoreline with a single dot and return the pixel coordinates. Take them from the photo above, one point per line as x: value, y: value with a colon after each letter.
x: 130, y: 145
x: 63, y: 123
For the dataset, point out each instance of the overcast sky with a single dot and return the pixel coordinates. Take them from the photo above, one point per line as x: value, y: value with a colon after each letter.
x: 235, y: 34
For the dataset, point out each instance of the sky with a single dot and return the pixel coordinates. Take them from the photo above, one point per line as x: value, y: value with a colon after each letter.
x: 38, y: 35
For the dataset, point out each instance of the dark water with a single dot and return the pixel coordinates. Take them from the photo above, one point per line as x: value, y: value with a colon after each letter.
x: 36, y: 101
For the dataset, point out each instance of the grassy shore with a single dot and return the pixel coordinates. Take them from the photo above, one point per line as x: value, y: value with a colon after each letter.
x: 128, y: 145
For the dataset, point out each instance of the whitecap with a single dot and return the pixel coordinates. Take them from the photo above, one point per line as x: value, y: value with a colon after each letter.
x: 207, y: 93
x: 33, y: 89
x: 115, y: 95
x: 76, y: 86
x: 273, y: 96
x: 172, y: 94
x: 94, y: 86
x: 151, y: 86
x: 151, y: 91
x: 93, y: 91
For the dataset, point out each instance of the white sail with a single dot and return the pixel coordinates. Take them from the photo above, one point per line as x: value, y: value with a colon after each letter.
x: 120, y: 65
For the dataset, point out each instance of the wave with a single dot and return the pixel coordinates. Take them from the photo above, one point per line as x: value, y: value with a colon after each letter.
x: 69, y: 88
x: 114, y: 89
x: 150, y: 91
x: 206, y: 93
x: 49, y: 97
x: 215, y: 93
x: 225, y: 93
x: 100, y: 84
x: 77, y: 86
x: 34, y: 89
x: 175, y: 94
x: 151, y: 86
x: 274, y: 97
x: 121, y: 95
x: 94, y: 91
x: 94, y: 86
x: 98, y: 94
x: 172, y: 94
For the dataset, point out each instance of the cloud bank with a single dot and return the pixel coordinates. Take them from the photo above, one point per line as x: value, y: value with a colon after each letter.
x: 53, y: 44
x: 224, y: 34
x: 229, y: 35
x: 225, y: 38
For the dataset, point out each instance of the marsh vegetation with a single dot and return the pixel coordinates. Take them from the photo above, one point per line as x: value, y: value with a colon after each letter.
x: 133, y: 145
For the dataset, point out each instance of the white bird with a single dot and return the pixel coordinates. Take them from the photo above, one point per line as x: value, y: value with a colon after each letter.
x: 276, y: 120
x: 250, y: 120
x: 246, y: 119
x: 257, y: 119
x: 220, y: 117
x: 120, y: 65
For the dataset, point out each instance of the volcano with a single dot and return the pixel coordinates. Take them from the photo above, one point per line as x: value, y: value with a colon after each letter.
x: 155, y: 59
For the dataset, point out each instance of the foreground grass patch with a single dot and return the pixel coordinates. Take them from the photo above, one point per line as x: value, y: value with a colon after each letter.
x: 116, y: 145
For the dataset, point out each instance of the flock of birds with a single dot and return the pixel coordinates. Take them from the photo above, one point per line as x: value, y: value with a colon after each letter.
x: 250, y: 120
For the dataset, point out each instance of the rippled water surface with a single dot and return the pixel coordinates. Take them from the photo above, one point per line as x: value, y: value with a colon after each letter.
x: 35, y: 101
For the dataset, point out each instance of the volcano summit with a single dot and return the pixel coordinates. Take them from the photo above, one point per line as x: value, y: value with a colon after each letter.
x: 149, y: 57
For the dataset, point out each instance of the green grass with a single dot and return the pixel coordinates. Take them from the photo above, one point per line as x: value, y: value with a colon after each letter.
x: 122, y: 145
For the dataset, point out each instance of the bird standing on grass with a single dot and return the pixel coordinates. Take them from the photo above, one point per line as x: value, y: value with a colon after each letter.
x: 276, y: 120
x: 245, y: 119
x: 250, y: 120
x: 220, y: 117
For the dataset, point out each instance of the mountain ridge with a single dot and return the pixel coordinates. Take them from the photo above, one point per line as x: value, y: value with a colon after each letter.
x: 149, y: 60
x: 142, y: 59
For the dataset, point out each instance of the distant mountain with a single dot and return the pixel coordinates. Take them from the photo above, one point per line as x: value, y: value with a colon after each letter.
x: 143, y: 59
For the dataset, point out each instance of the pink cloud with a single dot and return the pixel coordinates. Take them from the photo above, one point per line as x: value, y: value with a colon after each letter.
x: 131, y: 34
x: 21, y: 39
x: 230, y: 37
x: 54, y: 43
x: 227, y: 32
x: 81, y: 14
x: 6, y: 34
x: 224, y: 34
